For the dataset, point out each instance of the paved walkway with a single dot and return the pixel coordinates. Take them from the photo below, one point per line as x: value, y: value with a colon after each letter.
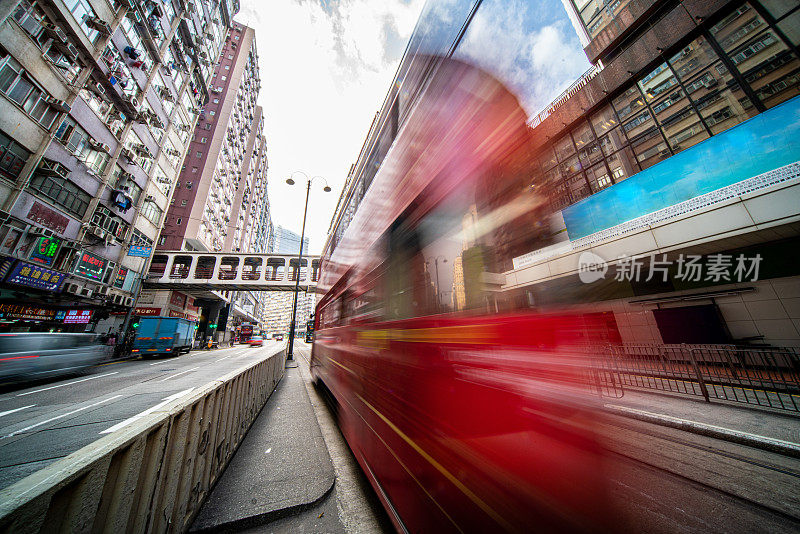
x: 281, y: 468
x: 745, y: 424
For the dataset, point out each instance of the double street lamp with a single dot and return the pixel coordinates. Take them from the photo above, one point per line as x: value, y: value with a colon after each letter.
x: 327, y: 189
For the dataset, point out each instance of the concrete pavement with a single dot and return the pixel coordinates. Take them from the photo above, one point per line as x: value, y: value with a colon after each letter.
x: 283, y: 478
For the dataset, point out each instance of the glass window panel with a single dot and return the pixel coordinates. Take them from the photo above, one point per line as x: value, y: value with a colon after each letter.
x: 719, y: 99
x: 650, y: 148
x: 685, y: 133
x: 578, y: 188
x: 613, y: 141
x: 622, y: 165
x: 659, y: 82
x: 590, y: 153
x: 694, y: 57
x: 570, y: 166
x: 19, y: 91
x: 547, y: 159
x: 598, y: 177
x: 738, y: 28
x: 7, y: 77
x: 778, y: 8
x: 564, y: 148
x: 604, y: 120
x: 582, y: 135
x: 790, y: 27
x: 638, y: 124
x: 628, y: 103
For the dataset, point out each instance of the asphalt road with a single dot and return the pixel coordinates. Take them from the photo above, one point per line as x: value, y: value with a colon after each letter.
x: 44, y: 422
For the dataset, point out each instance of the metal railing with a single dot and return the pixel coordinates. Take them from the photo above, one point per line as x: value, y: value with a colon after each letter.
x: 761, y: 376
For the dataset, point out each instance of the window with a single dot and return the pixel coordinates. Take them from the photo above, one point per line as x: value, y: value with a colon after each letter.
x: 15, y: 84
x: 178, y: 221
x: 151, y: 212
x: 203, y: 140
x: 105, y: 219
x: 227, y: 67
x: 183, y: 202
x: 216, y: 100
x: 12, y: 157
x: 230, y: 56
x: 162, y: 240
x: 194, y: 170
x: 61, y: 192
x: 188, y: 185
x: 199, y: 154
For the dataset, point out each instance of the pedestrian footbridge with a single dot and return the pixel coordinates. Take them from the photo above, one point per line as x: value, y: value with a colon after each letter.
x: 212, y: 271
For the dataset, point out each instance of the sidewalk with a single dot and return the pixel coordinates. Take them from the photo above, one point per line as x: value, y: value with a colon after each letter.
x: 281, y: 468
x: 747, y: 425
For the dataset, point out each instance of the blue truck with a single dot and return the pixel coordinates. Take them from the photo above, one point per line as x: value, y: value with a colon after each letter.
x: 163, y: 336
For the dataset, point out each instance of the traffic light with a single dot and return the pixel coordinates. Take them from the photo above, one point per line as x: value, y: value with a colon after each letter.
x: 136, y: 324
x: 212, y: 325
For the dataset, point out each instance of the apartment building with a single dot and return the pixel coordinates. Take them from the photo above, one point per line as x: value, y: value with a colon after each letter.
x: 666, y: 179
x: 98, y: 100
x: 220, y: 199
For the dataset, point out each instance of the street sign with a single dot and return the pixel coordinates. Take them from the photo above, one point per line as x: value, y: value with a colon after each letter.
x: 140, y: 251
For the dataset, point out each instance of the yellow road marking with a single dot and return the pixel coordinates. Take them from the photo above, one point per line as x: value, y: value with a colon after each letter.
x: 439, y: 467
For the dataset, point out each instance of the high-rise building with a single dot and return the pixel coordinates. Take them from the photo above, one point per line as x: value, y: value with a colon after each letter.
x: 278, y: 306
x: 220, y: 200
x: 97, y: 103
x: 287, y: 242
x: 669, y: 169
x: 204, y: 212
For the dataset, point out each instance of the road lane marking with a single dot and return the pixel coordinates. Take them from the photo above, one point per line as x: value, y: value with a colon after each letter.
x: 67, y: 384
x: 16, y: 410
x: 225, y: 358
x: 148, y: 411
x: 21, y: 430
x: 159, y: 363
x: 179, y: 374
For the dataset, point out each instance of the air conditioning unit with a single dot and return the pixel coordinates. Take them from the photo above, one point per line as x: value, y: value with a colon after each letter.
x: 54, y: 31
x: 130, y: 4
x: 102, y: 290
x: 141, y: 150
x: 127, y: 301
x: 96, y: 230
x: 60, y: 105
x: 97, y: 145
x: 99, y: 25
x: 84, y: 292
x: 53, y: 168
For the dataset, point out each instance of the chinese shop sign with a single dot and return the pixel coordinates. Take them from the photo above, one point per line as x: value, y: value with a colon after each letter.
x: 77, y: 316
x: 90, y: 266
x: 147, y: 311
x: 27, y: 274
x: 45, y: 249
x: 140, y: 251
x: 19, y: 311
x: 49, y: 218
x: 120, y: 280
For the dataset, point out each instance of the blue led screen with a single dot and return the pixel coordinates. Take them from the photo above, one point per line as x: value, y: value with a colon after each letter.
x: 758, y: 145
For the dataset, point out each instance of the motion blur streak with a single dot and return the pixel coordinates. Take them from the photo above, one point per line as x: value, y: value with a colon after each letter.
x: 493, y: 406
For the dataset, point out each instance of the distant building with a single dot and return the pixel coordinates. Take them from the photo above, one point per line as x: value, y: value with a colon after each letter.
x: 287, y: 242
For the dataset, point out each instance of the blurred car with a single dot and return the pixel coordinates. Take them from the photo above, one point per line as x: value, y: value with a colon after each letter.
x: 278, y: 337
x: 33, y: 356
x: 256, y: 341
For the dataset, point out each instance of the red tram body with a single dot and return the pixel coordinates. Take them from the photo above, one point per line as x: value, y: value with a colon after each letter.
x: 467, y: 414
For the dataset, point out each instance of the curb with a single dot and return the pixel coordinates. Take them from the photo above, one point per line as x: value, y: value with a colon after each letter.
x: 779, y: 446
x: 240, y: 524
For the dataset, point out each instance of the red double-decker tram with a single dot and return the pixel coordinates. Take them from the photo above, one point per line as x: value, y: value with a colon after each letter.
x: 470, y: 409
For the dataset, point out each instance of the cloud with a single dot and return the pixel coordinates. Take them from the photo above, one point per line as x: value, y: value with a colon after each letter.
x: 325, y: 70
x: 536, y: 59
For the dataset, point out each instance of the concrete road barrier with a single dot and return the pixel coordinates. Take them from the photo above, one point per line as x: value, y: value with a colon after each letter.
x: 151, y: 476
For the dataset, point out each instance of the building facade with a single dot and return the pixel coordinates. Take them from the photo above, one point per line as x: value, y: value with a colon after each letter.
x: 97, y: 104
x: 664, y: 182
x: 220, y: 199
x: 277, y: 315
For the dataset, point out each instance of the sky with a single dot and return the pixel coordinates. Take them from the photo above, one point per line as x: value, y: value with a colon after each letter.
x: 326, y: 67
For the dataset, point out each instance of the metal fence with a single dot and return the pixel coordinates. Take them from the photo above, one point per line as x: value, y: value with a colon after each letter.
x: 761, y: 376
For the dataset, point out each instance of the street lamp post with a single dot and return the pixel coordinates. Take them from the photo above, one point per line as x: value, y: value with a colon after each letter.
x: 436, y: 266
x: 327, y: 189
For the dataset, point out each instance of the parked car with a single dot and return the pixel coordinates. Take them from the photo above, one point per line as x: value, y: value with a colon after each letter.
x: 256, y: 341
x: 277, y: 337
x: 163, y: 335
x: 32, y: 356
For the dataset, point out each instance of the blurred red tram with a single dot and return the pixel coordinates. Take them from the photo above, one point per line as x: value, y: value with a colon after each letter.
x: 469, y: 410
